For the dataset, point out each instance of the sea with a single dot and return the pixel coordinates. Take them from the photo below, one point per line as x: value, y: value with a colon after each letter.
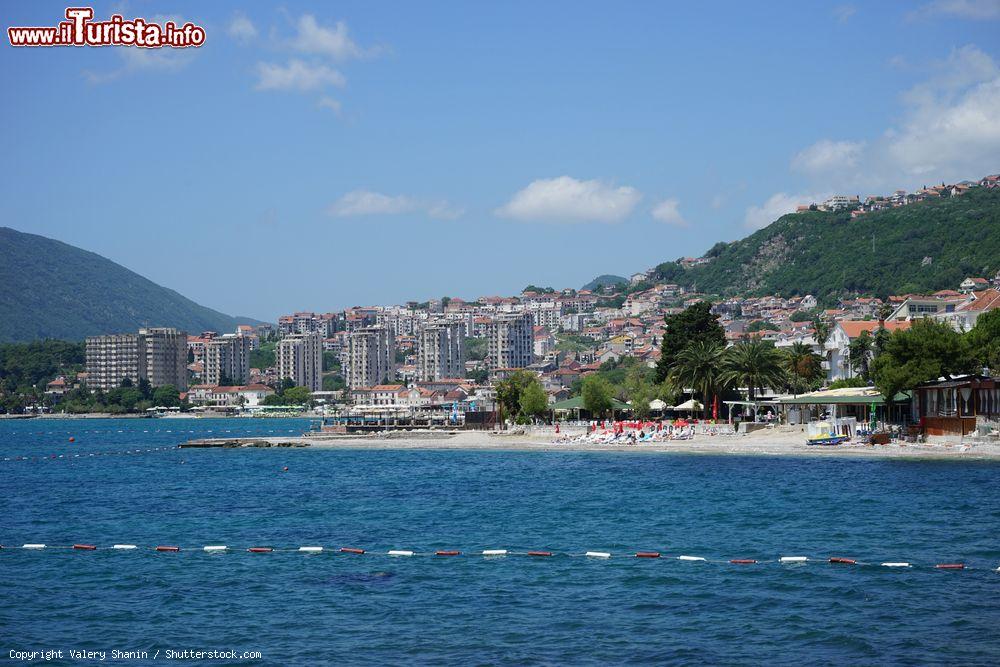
x: 124, y: 481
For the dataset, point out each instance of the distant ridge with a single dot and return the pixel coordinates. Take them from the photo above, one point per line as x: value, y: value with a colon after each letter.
x: 602, y: 281
x: 54, y: 290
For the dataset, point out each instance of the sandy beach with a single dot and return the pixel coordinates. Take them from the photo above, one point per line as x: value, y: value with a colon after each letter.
x: 780, y: 441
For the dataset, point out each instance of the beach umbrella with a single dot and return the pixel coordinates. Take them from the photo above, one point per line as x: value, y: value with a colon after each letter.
x: 689, y: 405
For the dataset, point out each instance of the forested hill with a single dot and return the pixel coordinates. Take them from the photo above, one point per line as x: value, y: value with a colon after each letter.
x: 919, y: 248
x: 55, y: 290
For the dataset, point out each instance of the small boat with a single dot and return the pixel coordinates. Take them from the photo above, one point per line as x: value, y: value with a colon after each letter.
x: 820, y: 433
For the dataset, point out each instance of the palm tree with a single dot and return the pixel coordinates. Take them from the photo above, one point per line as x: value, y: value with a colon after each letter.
x: 803, y: 365
x: 754, y: 364
x: 699, y: 366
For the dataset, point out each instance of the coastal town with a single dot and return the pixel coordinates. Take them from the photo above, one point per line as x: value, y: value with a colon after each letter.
x: 455, y: 361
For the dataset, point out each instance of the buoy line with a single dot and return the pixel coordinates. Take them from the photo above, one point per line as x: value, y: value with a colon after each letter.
x: 84, y: 455
x: 787, y: 561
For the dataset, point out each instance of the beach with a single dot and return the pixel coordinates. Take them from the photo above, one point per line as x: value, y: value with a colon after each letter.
x: 777, y: 441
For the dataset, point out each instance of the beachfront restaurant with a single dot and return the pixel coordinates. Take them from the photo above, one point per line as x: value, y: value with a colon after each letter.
x: 845, y: 408
x: 959, y: 406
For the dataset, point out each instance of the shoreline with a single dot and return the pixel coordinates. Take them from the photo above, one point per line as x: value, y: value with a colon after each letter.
x: 784, y: 442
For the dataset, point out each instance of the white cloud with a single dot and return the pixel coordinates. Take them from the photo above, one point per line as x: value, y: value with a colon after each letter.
x: 137, y: 60
x: 776, y: 206
x: 668, y: 211
x: 566, y: 199
x: 951, y: 139
x: 241, y: 28
x: 967, y: 9
x: 365, y: 202
x: 298, y: 76
x: 826, y: 155
x: 329, y: 103
x: 948, y: 129
x: 331, y: 42
x: 843, y: 13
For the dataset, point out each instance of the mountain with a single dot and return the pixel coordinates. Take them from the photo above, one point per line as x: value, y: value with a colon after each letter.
x: 919, y: 248
x: 607, y: 279
x: 55, y: 290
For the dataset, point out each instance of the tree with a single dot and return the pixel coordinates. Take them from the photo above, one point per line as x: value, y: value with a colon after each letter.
x: 801, y: 316
x: 822, y: 331
x: 534, y: 400
x: 263, y: 356
x: 166, y: 396
x: 510, y: 389
x: 297, y: 396
x: 596, y: 394
x: 804, y: 367
x: 696, y: 323
x: 754, y: 364
x: 984, y: 340
x: 860, y: 351
x: 699, y: 366
x: 929, y: 349
x: 475, y: 348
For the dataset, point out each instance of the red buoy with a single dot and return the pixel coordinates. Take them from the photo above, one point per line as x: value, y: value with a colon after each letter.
x: 348, y: 550
x: 539, y: 553
x: 950, y: 566
x: 168, y: 548
x: 447, y: 553
x: 844, y: 561
x: 84, y: 547
x: 285, y: 469
x: 647, y: 554
x: 72, y: 439
x: 260, y: 550
x: 743, y: 561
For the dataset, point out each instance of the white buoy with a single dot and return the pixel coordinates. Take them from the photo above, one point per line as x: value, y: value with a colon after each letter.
x: 311, y: 550
x: 794, y: 559
x: 33, y: 546
x: 397, y: 552
x: 123, y: 546
x: 895, y: 565
x: 597, y: 554
x: 690, y: 558
x: 216, y: 548
x: 495, y: 552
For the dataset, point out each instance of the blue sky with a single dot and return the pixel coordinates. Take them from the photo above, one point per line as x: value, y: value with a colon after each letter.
x: 323, y: 155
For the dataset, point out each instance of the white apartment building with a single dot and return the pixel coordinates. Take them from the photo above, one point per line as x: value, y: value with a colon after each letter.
x: 371, y: 354
x: 510, y: 342
x: 158, y: 355
x: 441, y: 351
x: 227, y: 360
x: 113, y: 358
x: 299, y: 357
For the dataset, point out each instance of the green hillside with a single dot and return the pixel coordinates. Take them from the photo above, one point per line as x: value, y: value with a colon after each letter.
x: 55, y: 290
x: 601, y: 281
x: 923, y: 247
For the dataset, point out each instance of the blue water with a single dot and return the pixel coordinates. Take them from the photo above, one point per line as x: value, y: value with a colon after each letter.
x: 302, y: 609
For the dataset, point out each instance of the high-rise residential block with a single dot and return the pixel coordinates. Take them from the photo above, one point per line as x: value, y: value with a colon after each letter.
x: 510, y: 343
x: 227, y: 360
x: 299, y: 358
x: 441, y: 351
x: 371, y: 357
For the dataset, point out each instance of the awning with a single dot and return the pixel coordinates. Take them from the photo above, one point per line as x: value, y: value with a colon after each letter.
x: 846, y: 396
x: 689, y: 405
x: 576, y: 403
